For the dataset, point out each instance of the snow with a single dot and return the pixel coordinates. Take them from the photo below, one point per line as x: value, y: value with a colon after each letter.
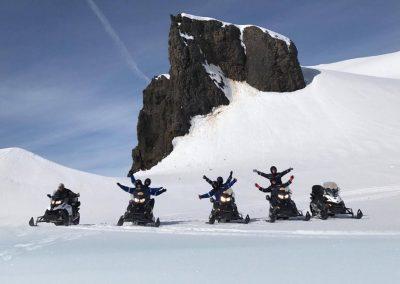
x: 186, y: 36
x: 387, y: 66
x: 166, y: 75
x: 217, y: 76
x: 241, y: 28
x: 342, y: 127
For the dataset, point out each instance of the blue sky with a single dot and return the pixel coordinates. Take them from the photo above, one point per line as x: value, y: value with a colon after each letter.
x: 70, y: 90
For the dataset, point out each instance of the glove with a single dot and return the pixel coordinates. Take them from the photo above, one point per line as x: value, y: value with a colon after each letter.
x: 119, y: 184
x: 231, y: 173
x: 204, y: 177
x: 254, y: 171
x: 291, y: 169
x: 291, y: 178
x: 257, y: 185
x: 199, y: 196
x: 163, y: 190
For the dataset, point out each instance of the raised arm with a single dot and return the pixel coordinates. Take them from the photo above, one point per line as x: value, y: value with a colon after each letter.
x: 156, y: 191
x: 228, y: 180
x: 207, y: 180
x: 289, y: 182
x: 230, y: 184
x: 268, y: 189
x: 281, y: 174
x: 133, y: 180
x: 207, y: 195
x: 268, y: 176
x: 126, y: 188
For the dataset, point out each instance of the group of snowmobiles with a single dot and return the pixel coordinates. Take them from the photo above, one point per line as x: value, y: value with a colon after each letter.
x: 325, y: 202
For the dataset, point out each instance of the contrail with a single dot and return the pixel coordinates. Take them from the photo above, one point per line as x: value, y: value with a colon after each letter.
x: 117, y: 40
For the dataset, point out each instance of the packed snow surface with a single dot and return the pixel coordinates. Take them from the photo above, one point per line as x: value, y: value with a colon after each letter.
x: 342, y: 127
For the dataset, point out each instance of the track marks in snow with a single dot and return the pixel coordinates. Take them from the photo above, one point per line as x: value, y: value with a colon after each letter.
x: 29, y: 242
x: 371, y: 193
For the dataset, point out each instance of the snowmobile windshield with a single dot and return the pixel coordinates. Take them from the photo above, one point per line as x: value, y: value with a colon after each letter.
x: 332, y: 192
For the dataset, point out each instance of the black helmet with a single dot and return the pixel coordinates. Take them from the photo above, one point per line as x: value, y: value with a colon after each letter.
x: 138, y: 182
x: 147, y: 182
x: 220, y: 180
x: 273, y: 170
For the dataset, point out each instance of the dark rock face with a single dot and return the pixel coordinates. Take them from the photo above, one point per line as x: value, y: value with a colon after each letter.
x: 264, y: 62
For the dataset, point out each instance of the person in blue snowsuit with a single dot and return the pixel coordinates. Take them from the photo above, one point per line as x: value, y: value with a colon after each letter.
x: 218, y: 187
x: 149, y: 191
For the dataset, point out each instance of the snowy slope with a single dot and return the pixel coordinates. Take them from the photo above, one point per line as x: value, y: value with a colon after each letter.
x: 387, y: 66
x: 342, y: 127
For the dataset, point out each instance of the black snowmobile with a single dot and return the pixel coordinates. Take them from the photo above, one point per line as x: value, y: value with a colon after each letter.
x: 225, y: 211
x: 140, y: 211
x: 62, y: 211
x: 283, y: 207
x: 326, y: 202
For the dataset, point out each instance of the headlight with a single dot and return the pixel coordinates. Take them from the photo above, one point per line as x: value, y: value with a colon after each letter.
x: 58, y: 202
x: 52, y: 202
x: 225, y: 199
x: 137, y: 200
x: 286, y: 196
x: 281, y: 196
x: 142, y: 200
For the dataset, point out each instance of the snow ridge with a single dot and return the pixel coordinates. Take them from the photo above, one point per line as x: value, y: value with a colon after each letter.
x: 241, y: 28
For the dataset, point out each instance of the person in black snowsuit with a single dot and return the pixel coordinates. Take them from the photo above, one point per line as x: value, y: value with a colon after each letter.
x: 274, y: 175
x: 66, y: 194
x: 274, y: 190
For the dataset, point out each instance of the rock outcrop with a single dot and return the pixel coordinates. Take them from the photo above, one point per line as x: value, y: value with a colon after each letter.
x: 203, y: 52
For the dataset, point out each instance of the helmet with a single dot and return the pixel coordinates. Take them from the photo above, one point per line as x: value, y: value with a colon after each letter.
x: 138, y: 182
x: 220, y: 180
x: 273, y: 170
x: 61, y: 186
x: 147, y: 182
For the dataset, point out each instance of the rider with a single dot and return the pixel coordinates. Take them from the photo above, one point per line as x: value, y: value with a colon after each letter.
x: 274, y: 189
x: 68, y: 195
x: 218, y: 187
x: 139, y: 186
x: 274, y: 175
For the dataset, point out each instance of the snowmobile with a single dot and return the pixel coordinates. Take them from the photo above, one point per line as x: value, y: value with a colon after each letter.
x: 140, y: 211
x: 60, y: 213
x: 326, y: 202
x: 283, y: 207
x: 225, y: 211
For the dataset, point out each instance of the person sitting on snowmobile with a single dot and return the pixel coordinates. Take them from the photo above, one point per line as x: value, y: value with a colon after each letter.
x: 274, y: 189
x: 139, y: 186
x: 218, y: 187
x: 68, y: 195
x: 274, y: 175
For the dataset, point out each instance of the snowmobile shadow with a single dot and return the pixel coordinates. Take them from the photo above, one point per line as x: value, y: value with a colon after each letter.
x: 309, y: 74
x: 171, y: 223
